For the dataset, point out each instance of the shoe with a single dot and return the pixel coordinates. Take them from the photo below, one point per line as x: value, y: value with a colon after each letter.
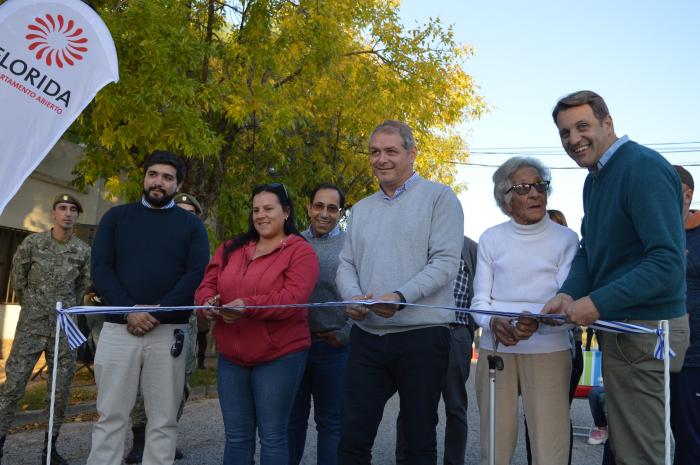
x: 56, y: 458
x: 598, y: 436
x: 178, y: 454
x: 135, y: 455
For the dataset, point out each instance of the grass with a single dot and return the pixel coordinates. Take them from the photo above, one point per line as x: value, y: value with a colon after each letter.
x: 83, y: 388
x: 206, y: 377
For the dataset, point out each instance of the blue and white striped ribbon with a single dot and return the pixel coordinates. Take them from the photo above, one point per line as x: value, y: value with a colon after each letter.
x: 659, y: 348
x: 76, y: 337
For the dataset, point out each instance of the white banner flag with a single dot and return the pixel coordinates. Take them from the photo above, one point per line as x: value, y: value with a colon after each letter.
x: 54, y: 57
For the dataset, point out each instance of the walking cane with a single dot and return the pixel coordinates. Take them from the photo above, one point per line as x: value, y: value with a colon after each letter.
x: 495, y: 363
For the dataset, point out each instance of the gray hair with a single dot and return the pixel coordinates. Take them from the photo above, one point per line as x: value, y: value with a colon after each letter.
x: 502, y: 181
x: 392, y: 126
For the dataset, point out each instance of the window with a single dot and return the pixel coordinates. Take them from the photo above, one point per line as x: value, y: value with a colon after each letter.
x: 9, y: 240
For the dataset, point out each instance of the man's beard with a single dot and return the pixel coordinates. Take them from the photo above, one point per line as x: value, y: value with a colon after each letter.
x: 158, y: 202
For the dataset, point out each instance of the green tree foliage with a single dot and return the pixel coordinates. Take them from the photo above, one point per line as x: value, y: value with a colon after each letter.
x: 256, y: 91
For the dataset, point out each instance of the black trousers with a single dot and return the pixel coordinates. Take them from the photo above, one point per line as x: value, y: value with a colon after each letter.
x: 685, y: 415
x: 454, y: 395
x: 412, y: 363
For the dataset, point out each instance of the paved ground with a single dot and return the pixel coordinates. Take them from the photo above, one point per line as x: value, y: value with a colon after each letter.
x: 201, y: 438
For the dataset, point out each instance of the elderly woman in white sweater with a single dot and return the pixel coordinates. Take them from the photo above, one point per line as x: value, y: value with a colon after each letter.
x: 521, y: 265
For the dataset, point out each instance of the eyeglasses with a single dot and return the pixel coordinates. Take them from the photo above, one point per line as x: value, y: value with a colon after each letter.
x: 524, y: 189
x: 318, y: 207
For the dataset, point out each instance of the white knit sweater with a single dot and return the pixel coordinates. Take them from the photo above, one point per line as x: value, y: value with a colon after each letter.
x: 520, y: 267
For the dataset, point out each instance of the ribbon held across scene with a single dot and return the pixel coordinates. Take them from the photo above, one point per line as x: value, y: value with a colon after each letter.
x: 76, y: 338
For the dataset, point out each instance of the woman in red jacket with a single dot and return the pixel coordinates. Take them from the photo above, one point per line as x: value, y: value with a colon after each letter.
x: 262, y: 352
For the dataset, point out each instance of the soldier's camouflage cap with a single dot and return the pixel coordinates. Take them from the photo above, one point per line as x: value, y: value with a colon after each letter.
x: 181, y: 197
x: 67, y: 198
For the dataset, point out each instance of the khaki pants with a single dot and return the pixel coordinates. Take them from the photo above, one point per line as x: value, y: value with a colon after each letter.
x: 634, y: 384
x: 138, y: 413
x: 121, y: 362
x: 543, y: 382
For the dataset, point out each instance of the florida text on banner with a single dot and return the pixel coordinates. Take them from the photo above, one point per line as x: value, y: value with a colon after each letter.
x: 54, y: 57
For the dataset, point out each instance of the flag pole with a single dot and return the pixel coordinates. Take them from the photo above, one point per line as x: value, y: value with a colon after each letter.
x: 49, y: 439
x: 663, y: 326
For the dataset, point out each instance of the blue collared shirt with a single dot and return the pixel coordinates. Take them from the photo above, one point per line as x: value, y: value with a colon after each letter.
x: 145, y: 203
x: 611, y: 151
x: 332, y: 233
x: 414, y: 177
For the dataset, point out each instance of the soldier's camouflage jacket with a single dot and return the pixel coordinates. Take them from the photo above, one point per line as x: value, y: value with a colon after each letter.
x: 45, y: 271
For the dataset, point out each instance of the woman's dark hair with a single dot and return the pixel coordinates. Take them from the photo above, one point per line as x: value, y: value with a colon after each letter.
x: 290, y: 226
x: 557, y: 217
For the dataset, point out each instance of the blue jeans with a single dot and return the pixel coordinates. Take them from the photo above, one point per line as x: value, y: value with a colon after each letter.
x: 323, y: 379
x: 259, y: 396
x: 596, y: 400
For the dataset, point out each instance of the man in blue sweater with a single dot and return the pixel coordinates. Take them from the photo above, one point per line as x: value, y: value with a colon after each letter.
x: 150, y: 254
x: 630, y: 267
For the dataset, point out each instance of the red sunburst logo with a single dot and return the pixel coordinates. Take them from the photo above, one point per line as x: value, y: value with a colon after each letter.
x: 56, y: 40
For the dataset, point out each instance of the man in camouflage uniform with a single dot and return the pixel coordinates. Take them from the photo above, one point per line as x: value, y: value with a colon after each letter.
x: 48, y: 267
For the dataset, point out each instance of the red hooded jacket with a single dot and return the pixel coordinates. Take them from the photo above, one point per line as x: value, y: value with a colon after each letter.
x: 287, y: 275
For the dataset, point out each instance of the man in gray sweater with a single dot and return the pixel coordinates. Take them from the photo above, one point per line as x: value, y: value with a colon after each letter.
x: 403, y: 245
x: 330, y: 331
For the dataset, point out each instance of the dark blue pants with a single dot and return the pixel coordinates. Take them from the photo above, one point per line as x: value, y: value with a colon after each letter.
x: 454, y: 395
x: 596, y: 398
x: 323, y: 380
x: 685, y: 415
x: 414, y: 363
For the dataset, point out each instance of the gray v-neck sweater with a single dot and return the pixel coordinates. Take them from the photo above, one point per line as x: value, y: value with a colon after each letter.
x: 410, y: 244
x: 327, y: 318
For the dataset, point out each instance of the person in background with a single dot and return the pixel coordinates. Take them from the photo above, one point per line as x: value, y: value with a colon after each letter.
x: 557, y: 216
x: 685, y: 385
x: 203, y: 327
x: 330, y: 331
x: 521, y: 264
x: 47, y: 267
x: 198, y: 325
x: 629, y: 267
x: 577, y: 350
x: 596, y: 401
x: 262, y: 352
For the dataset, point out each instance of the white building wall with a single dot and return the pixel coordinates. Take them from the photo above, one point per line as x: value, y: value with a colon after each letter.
x: 30, y: 210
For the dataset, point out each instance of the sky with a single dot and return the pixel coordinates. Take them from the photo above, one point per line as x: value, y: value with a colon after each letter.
x: 642, y: 57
